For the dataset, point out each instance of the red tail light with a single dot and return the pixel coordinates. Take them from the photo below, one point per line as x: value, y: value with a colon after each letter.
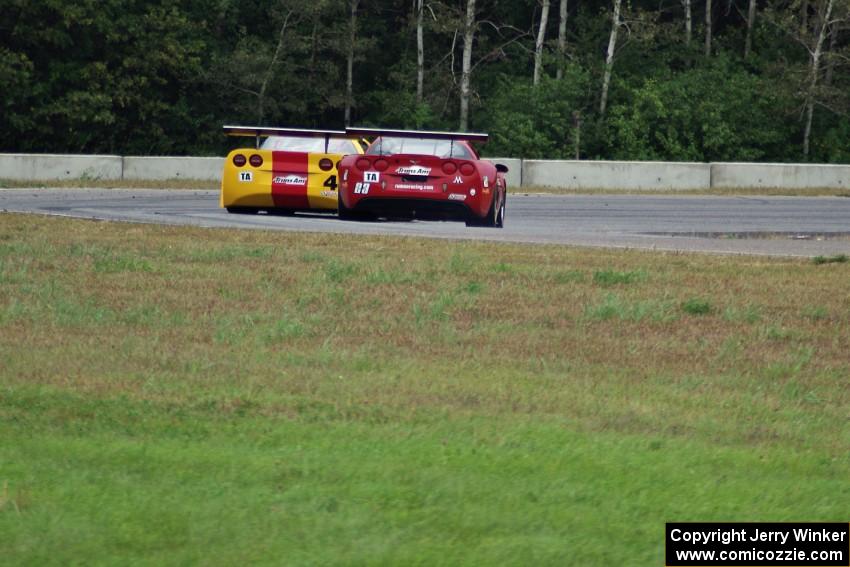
x: 239, y: 160
x: 325, y: 164
x: 449, y: 167
x: 363, y: 164
x: 256, y: 160
x: 382, y: 164
x: 467, y: 169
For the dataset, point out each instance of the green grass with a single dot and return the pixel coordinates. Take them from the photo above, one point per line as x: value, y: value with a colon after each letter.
x: 697, y: 306
x: 189, y: 396
x: 837, y: 259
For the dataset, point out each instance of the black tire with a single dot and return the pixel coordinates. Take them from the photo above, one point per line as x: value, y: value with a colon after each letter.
x: 344, y: 213
x: 500, y: 220
x: 242, y: 210
x: 489, y: 220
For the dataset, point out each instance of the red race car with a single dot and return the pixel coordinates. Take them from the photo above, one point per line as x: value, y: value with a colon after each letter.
x: 426, y: 175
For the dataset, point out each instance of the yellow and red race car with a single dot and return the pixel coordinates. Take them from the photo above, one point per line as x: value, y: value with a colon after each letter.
x: 292, y: 170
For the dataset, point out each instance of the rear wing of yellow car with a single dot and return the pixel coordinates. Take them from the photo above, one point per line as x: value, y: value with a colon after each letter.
x: 264, y: 132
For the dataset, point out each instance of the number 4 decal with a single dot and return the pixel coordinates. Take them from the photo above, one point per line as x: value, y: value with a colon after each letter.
x: 330, y: 183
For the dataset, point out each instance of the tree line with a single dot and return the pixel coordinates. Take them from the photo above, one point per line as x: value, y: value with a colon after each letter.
x: 691, y: 80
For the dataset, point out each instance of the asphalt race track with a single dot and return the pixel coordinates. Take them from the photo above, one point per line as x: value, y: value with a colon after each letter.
x: 782, y: 226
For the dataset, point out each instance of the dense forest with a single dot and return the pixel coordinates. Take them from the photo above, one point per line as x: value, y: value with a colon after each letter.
x: 693, y: 80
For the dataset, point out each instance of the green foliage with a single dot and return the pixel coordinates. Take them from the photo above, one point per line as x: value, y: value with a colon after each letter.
x: 719, y: 112
x: 162, y: 77
x: 537, y: 122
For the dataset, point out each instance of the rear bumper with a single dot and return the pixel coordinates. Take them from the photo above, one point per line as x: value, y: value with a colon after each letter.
x: 431, y: 209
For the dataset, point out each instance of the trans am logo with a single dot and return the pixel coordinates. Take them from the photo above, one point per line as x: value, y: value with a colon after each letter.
x: 290, y: 180
x: 413, y: 170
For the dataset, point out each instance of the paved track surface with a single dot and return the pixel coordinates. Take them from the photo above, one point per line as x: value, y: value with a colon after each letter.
x: 781, y: 226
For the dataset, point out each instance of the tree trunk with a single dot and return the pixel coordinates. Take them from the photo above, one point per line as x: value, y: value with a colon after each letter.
x: 689, y: 26
x: 577, y: 134
x: 609, y: 58
x: 562, y: 39
x: 261, y: 97
x: 468, y: 36
x: 833, y: 39
x: 349, y: 79
x: 804, y: 17
x: 813, y: 77
x: 751, y: 20
x: 707, y: 28
x: 420, y: 52
x: 541, y: 37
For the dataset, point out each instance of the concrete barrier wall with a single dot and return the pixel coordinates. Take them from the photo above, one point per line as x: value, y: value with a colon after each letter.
x: 627, y: 175
x: 781, y: 175
x: 514, y: 175
x: 573, y: 175
x: 37, y: 167
x: 158, y: 168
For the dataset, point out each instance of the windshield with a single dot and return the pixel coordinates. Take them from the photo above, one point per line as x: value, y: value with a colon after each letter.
x: 419, y: 146
x: 315, y: 145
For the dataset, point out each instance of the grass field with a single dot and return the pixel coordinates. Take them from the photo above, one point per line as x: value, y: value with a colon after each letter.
x: 218, y: 397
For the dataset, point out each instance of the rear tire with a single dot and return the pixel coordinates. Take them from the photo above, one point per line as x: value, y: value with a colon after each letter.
x: 344, y: 213
x: 500, y: 221
x: 491, y: 219
x: 242, y: 210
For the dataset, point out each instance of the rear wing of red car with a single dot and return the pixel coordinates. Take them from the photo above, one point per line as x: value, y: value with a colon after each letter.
x: 465, y: 136
x: 264, y: 132
x: 452, y: 137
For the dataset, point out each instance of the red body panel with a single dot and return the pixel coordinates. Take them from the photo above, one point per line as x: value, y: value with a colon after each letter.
x: 289, y: 184
x: 446, y: 187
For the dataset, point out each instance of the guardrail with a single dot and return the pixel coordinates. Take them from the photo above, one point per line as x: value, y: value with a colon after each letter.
x: 566, y: 174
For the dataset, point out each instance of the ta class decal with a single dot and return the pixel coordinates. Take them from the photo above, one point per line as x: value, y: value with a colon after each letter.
x: 371, y: 176
x: 245, y: 176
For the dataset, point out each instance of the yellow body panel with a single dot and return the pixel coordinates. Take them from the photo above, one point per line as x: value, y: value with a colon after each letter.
x: 249, y: 186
